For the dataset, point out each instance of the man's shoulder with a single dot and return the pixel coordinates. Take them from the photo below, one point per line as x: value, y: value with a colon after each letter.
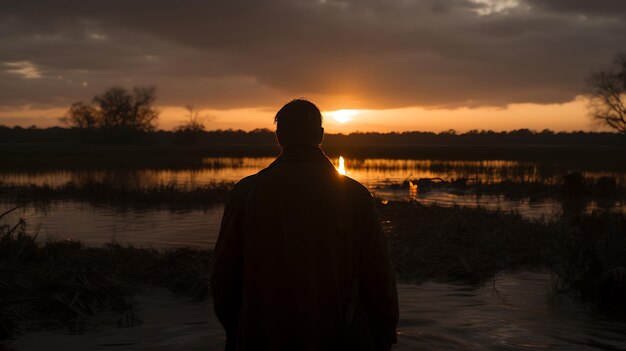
x: 356, y: 189
x: 245, y: 183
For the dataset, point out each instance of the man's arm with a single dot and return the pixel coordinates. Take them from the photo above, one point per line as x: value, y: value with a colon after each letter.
x: 226, y: 276
x: 378, y: 283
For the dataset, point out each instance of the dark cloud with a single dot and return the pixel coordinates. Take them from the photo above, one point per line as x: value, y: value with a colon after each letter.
x: 365, y: 53
x: 611, y: 8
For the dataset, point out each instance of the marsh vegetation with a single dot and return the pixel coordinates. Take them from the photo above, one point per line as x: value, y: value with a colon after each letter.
x: 65, y: 283
x: 49, y: 281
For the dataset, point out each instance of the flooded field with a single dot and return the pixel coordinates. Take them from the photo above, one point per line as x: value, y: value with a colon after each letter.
x: 374, y: 173
x: 386, y: 179
x: 513, y: 311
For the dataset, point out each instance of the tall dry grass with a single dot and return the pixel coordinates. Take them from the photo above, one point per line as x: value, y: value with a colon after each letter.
x: 65, y: 284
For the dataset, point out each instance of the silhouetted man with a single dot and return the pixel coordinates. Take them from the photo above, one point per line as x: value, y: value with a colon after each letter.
x: 301, y: 262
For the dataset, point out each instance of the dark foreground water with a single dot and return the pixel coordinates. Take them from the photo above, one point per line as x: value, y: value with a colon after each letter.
x: 512, y: 313
x: 96, y: 225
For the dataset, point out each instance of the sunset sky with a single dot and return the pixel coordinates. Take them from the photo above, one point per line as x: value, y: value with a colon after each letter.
x: 389, y: 65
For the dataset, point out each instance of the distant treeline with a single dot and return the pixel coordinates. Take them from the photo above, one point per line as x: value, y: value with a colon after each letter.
x: 266, y: 137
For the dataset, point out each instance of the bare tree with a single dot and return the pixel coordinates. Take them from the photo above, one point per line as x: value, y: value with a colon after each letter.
x: 116, y: 109
x: 607, y: 104
x: 81, y: 116
x: 119, y: 109
x: 190, y: 131
x: 195, y: 122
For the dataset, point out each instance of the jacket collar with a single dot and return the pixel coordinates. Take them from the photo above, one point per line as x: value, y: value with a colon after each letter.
x: 313, y: 154
x: 302, y: 153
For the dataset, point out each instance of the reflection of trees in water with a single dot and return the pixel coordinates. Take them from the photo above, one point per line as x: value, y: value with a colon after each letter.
x: 219, y: 169
x: 131, y: 180
x: 127, y: 179
x: 237, y: 162
x: 582, y: 195
x: 488, y: 171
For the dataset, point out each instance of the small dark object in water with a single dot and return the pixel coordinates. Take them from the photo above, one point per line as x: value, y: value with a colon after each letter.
x: 573, y: 184
x: 426, y: 184
x: 606, y: 186
x: 464, y: 183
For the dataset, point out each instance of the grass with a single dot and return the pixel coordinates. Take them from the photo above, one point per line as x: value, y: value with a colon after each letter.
x: 461, y: 244
x: 585, y: 252
x: 601, y: 188
x: 65, y: 284
x: 590, y: 261
x: 127, y: 192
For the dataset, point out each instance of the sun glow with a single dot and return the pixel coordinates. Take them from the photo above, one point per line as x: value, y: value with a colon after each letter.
x: 343, y: 115
x: 342, y: 166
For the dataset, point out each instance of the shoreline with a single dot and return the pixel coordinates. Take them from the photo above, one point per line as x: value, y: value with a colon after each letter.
x: 25, y: 156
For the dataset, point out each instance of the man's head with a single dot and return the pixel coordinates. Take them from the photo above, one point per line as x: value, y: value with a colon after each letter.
x: 299, y: 122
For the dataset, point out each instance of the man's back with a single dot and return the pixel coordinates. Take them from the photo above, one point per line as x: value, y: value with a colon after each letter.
x: 293, y: 239
x: 301, y: 262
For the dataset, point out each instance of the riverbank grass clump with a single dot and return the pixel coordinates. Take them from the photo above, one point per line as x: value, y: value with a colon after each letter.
x: 65, y: 284
x: 586, y: 252
x: 590, y: 261
x: 463, y: 244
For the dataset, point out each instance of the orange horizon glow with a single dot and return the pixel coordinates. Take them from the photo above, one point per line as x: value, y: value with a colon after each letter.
x: 569, y: 116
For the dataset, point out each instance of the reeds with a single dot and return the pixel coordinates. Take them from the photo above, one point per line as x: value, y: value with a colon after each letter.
x: 604, y: 187
x: 462, y: 244
x: 590, y: 261
x: 65, y: 284
x: 585, y: 252
x: 168, y: 196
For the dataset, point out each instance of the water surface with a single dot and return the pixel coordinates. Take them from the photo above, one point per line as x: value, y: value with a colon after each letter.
x: 199, y: 227
x: 513, y: 313
x: 371, y: 172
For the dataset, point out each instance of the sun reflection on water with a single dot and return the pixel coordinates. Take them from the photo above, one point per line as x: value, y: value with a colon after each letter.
x: 342, y: 166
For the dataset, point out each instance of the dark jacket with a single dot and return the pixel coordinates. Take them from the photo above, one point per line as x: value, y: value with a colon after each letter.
x: 293, y: 238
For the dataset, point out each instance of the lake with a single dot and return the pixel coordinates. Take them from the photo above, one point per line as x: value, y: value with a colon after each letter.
x: 385, y: 178
x: 514, y: 312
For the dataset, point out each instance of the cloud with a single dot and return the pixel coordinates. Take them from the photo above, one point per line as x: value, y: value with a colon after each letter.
x: 488, y: 7
x: 340, y: 53
x: 25, y: 69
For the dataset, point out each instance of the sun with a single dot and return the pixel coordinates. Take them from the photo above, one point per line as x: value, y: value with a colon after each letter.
x: 343, y: 116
